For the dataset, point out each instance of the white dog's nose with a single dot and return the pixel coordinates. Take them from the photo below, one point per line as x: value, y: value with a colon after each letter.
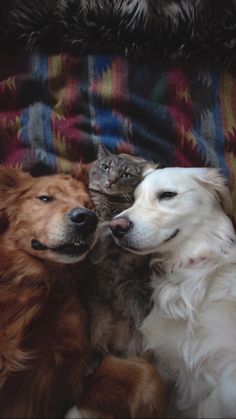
x: 120, y: 226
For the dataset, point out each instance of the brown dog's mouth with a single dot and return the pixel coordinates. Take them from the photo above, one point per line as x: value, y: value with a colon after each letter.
x: 71, y: 249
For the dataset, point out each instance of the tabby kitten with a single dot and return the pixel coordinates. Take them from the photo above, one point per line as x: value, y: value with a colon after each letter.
x: 112, y: 181
x: 120, y: 293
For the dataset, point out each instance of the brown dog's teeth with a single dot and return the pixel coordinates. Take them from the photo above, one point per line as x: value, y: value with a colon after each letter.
x: 72, y: 249
x: 80, y: 243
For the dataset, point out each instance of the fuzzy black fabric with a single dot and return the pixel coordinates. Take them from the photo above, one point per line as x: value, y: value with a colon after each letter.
x: 164, y: 29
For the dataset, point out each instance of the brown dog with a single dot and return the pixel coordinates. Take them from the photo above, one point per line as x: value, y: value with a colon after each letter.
x: 46, y: 230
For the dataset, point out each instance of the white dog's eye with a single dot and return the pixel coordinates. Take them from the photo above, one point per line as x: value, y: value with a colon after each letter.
x: 166, y: 195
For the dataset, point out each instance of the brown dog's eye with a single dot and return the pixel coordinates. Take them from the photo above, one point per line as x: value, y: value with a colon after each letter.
x: 45, y: 198
x: 167, y: 195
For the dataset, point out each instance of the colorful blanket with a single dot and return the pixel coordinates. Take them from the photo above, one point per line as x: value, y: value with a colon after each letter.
x: 60, y: 106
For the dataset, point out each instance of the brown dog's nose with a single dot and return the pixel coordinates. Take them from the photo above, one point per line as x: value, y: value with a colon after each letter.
x: 85, y: 220
x: 120, y: 226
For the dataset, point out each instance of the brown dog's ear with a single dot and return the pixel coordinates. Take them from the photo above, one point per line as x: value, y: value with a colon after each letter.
x: 10, y: 179
x: 214, y: 181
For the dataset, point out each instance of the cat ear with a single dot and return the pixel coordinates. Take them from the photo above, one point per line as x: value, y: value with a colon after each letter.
x: 102, y: 151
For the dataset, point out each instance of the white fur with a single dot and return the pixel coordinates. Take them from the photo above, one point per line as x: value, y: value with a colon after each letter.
x: 75, y: 413
x: 192, y: 326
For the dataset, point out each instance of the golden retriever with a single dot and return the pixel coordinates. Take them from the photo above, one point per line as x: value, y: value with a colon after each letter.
x: 47, y: 228
x: 180, y: 216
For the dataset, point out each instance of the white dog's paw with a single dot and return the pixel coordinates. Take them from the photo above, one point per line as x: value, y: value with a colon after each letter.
x: 75, y: 413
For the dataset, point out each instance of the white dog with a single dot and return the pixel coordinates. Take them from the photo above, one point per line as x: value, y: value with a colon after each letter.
x: 179, y: 215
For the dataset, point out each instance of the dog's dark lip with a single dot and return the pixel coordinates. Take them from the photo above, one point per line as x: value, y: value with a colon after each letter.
x: 172, y: 235
x: 143, y: 251
x: 37, y: 245
x: 72, y: 250
x: 68, y: 249
x: 129, y: 248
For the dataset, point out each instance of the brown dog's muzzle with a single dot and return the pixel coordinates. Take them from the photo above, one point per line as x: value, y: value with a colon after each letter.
x: 76, y: 236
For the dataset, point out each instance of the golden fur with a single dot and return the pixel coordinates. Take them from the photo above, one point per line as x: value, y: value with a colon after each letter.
x: 44, y: 341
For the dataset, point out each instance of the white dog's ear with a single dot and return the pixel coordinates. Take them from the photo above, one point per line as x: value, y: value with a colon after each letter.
x: 145, y: 165
x: 214, y: 181
x: 149, y: 167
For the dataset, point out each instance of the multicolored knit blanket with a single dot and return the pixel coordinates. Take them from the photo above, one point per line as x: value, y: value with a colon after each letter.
x: 61, y: 106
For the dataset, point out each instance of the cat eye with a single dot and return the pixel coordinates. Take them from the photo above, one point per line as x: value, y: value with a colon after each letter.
x: 166, y: 195
x: 126, y: 175
x: 45, y: 198
x: 105, y: 167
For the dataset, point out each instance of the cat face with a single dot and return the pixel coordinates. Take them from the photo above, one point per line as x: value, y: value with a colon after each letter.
x: 116, y: 174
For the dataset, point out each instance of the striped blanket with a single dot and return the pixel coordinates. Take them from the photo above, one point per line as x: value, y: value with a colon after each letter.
x: 60, y: 106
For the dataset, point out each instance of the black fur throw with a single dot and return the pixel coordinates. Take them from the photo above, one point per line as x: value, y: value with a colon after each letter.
x: 163, y: 29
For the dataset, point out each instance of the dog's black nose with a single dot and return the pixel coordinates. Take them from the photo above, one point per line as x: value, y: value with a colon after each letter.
x: 85, y: 219
x: 120, y: 226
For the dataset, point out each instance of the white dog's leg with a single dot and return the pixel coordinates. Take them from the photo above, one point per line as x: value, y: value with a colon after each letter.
x: 210, y: 407
x: 75, y: 413
x: 222, y: 401
x: 227, y: 394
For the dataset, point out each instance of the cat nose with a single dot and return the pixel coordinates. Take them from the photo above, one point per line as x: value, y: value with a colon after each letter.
x: 108, y: 184
x: 120, y: 226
